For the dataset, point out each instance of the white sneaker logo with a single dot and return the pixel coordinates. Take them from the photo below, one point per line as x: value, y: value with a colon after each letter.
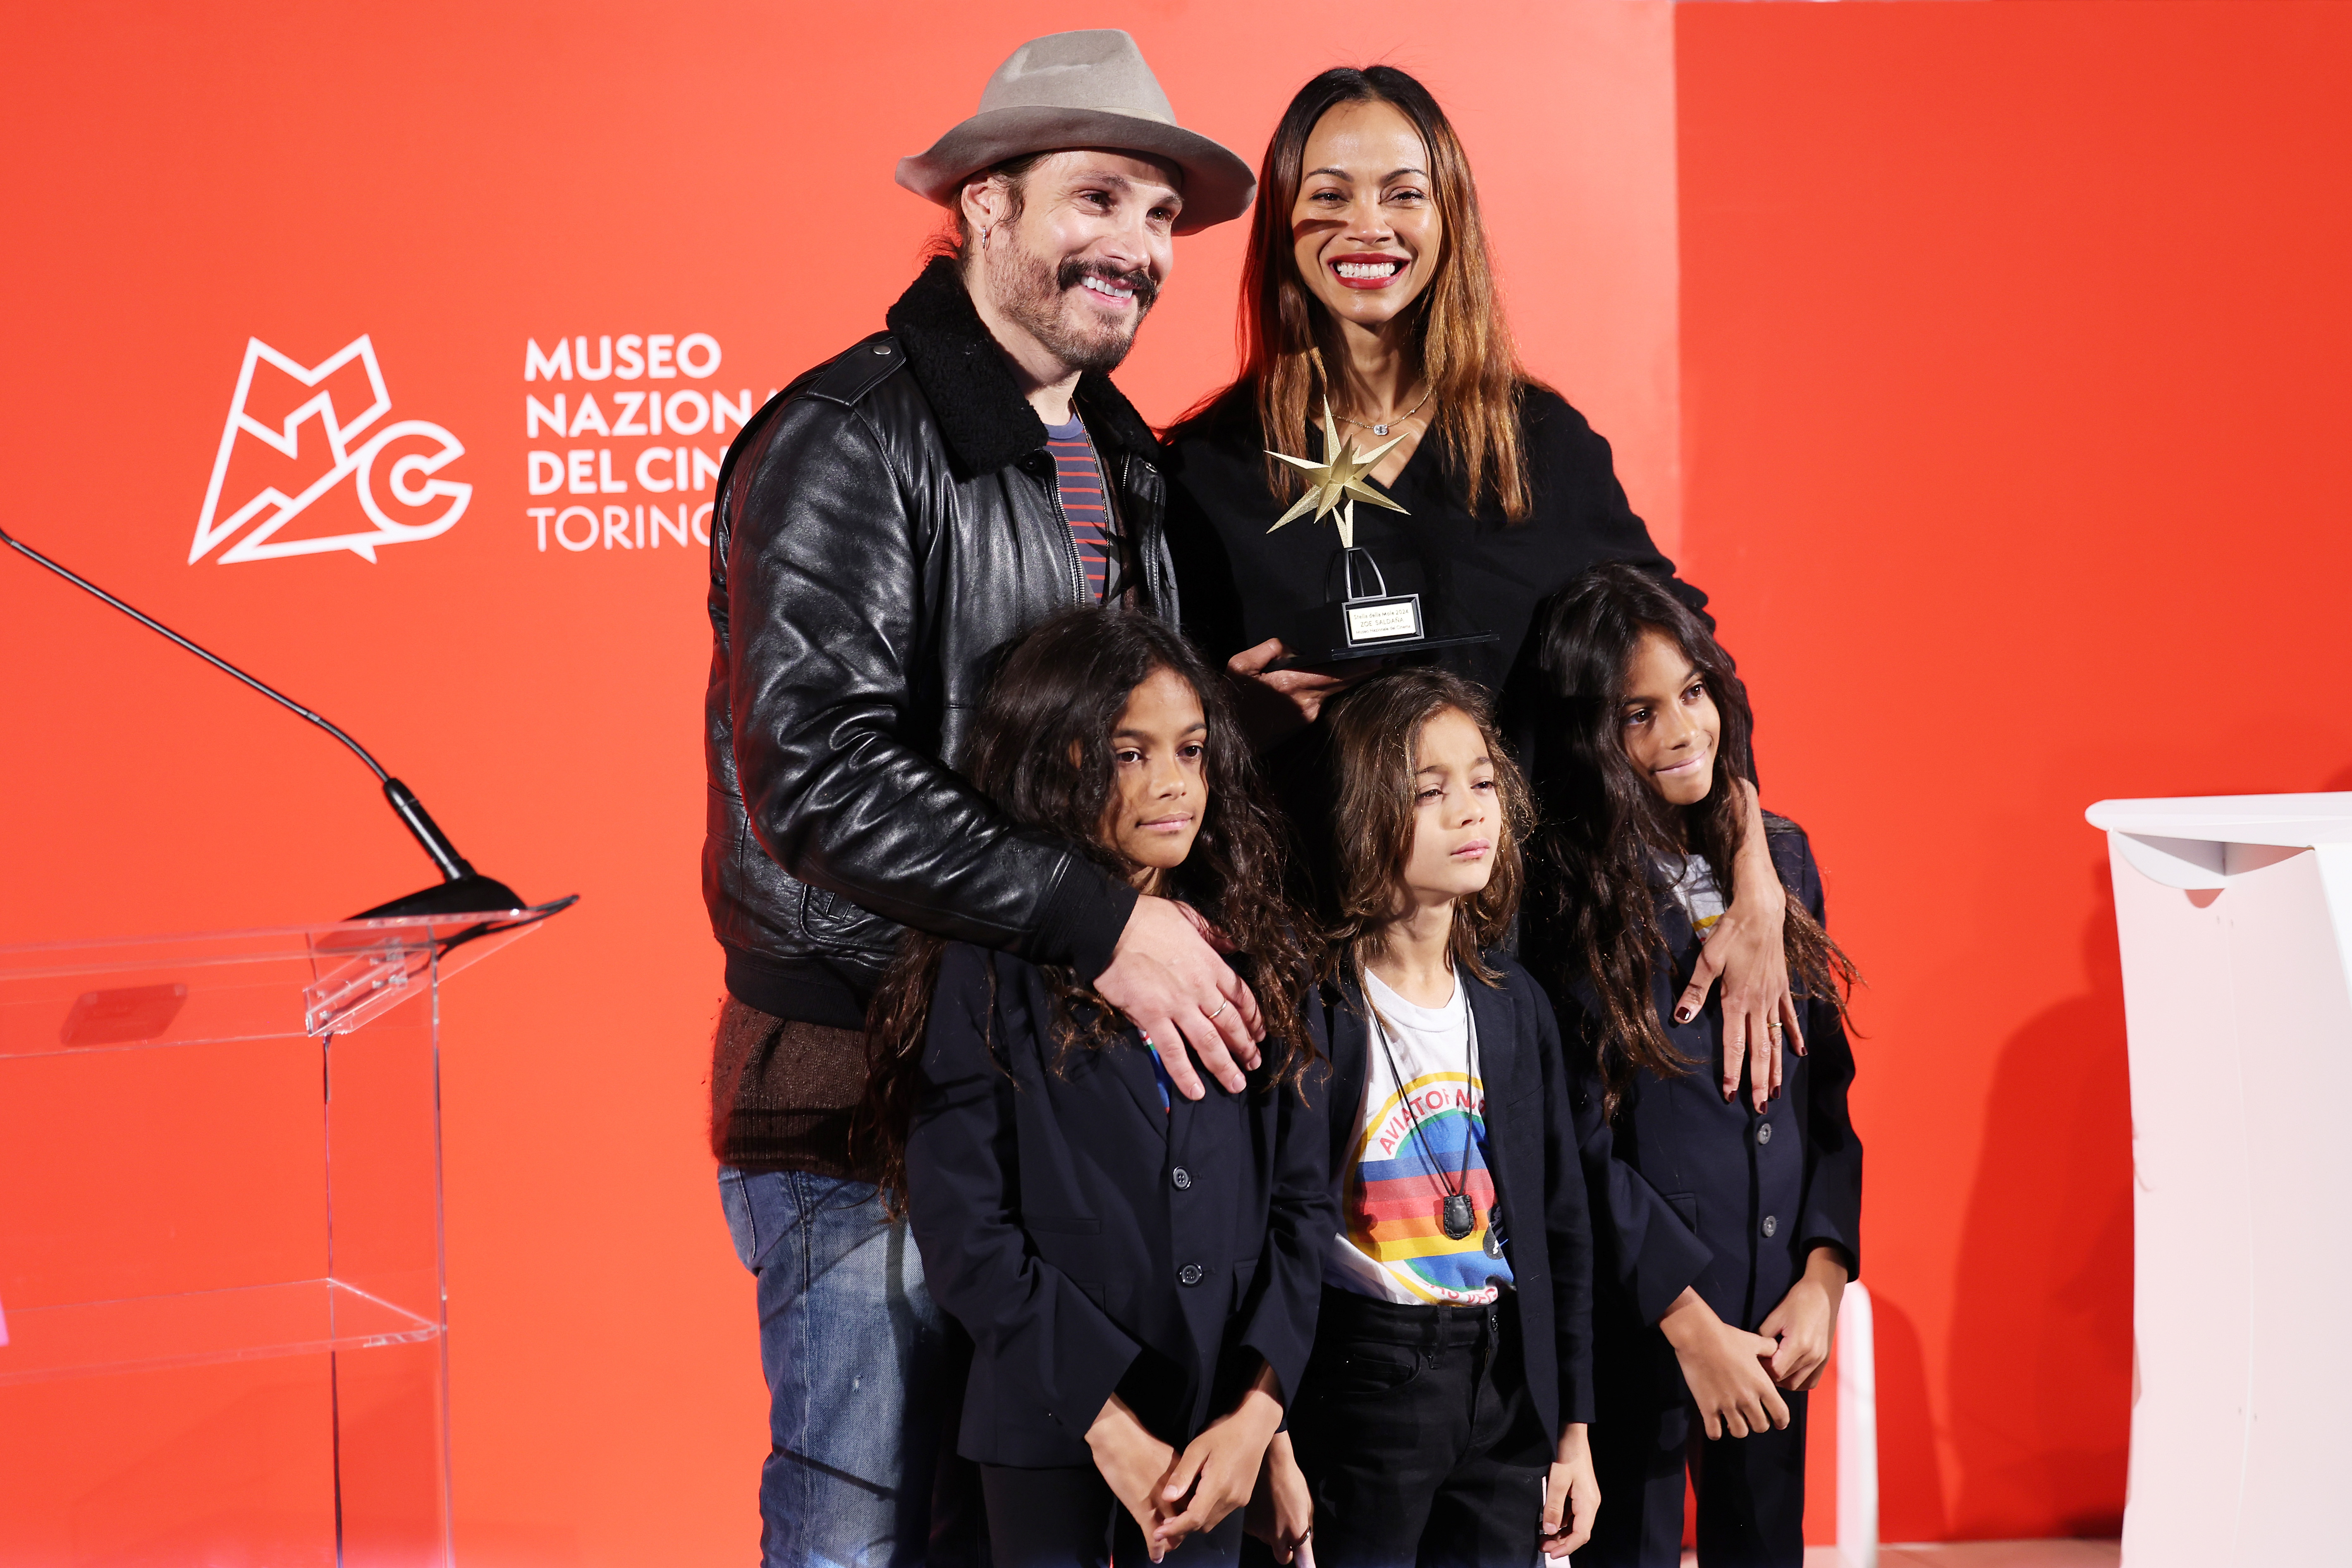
x: 412, y: 490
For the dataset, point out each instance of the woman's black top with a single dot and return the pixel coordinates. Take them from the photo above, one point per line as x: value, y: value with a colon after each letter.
x: 1094, y: 1236
x: 1239, y: 585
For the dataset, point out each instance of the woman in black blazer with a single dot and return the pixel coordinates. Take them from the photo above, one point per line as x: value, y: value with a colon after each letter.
x: 1727, y: 1231
x: 1138, y: 1271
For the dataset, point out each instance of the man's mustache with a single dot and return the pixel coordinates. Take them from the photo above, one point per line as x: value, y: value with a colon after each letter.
x: 1073, y: 272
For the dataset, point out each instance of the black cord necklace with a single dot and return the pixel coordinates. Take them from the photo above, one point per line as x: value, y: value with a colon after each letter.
x: 1456, y: 1217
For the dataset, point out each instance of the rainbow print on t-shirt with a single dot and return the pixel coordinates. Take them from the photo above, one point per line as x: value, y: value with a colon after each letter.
x: 1395, y: 1195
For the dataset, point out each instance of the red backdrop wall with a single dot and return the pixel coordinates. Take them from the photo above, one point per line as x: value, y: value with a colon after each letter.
x: 2012, y: 404
x: 458, y: 182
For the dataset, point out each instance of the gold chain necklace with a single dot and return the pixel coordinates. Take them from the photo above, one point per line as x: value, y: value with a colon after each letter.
x: 1399, y: 419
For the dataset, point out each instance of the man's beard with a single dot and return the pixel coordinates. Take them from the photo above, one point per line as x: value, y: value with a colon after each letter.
x: 1033, y: 293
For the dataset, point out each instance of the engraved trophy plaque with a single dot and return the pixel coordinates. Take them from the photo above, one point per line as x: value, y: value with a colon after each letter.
x: 1359, y: 618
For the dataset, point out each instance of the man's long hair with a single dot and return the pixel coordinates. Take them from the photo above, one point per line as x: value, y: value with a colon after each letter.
x: 1607, y: 834
x: 1040, y: 749
x: 1291, y: 348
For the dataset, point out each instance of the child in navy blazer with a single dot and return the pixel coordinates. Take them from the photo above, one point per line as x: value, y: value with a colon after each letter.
x: 1727, y: 1231
x: 1442, y: 1417
x: 1138, y: 1270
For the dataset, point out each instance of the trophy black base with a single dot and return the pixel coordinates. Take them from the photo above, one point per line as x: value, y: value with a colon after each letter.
x: 1363, y: 619
x: 1303, y: 657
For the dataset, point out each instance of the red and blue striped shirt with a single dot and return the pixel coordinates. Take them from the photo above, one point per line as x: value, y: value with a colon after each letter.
x: 1084, y: 503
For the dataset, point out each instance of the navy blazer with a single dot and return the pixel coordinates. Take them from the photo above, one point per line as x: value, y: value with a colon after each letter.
x: 1530, y: 1152
x: 1092, y: 1240
x: 1690, y: 1190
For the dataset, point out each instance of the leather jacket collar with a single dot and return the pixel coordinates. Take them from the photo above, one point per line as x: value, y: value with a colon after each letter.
x: 964, y: 376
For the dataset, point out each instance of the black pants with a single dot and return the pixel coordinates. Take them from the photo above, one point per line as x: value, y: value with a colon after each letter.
x: 1418, y: 1438
x: 1069, y: 1518
x: 1751, y: 1490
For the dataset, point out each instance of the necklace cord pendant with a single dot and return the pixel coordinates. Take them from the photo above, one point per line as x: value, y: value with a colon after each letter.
x: 1394, y: 419
x: 1456, y: 1215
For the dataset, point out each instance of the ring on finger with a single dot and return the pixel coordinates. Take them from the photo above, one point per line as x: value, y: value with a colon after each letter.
x: 1223, y: 1005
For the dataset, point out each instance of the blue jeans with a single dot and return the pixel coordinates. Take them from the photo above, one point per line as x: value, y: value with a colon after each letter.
x: 859, y: 1370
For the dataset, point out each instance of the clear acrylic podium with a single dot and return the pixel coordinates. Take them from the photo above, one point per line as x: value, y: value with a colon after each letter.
x: 221, y: 1246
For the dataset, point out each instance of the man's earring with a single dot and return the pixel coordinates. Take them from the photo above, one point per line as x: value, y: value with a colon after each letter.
x: 984, y: 233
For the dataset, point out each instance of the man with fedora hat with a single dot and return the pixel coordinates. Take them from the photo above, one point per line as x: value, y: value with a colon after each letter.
x: 880, y: 528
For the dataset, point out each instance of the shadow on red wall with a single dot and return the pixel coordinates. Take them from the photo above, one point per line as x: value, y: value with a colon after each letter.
x: 2045, y: 1254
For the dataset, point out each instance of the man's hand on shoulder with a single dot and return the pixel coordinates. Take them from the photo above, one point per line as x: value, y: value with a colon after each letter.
x: 1168, y: 980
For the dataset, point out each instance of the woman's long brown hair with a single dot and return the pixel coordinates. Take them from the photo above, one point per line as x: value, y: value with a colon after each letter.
x: 1373, y: 740
x: 1289, y: 342
x: 1040, y: 748
x: 1605, y: 831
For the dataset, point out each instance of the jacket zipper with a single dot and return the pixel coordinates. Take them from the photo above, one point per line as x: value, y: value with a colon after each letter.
x: 1146, y: 559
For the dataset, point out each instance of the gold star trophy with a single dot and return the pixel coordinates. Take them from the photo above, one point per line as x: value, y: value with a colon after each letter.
x: 1361, y: 619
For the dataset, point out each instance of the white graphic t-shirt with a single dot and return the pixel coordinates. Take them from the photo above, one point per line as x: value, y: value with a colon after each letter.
x: 1393, y: 1245
x: 1695, y: 889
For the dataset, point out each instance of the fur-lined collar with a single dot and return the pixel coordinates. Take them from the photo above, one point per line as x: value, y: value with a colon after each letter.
x: 964, y: 376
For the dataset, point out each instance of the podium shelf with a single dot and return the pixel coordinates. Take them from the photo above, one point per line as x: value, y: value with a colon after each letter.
x: 145, y: 992
x: 248, y: 1322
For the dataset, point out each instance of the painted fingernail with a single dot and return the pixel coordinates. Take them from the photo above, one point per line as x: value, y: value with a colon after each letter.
x: 1682, y: 1015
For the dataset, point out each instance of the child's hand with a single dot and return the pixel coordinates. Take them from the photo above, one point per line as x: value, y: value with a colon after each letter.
x: 1725, y: 1369
x: 1805, y: 1322
x: 1571, y: 1494
x: 1219, y: 1470
x: 1133, y: 1462
x: 1282, y: 1510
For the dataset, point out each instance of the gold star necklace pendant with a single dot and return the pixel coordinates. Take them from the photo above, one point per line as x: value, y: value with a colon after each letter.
x: 1337, y: 485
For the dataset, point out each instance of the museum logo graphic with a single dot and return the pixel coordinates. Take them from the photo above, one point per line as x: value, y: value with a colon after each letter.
x: 295, y: 432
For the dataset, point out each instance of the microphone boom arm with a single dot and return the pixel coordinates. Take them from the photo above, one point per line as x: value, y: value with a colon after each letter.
x: 404, y: 804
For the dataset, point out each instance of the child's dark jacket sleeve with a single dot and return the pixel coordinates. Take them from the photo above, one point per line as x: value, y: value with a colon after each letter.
x: 1568, y: 1219
x: 962, y: 1178
x: 1654, y: 1255
x: 1278, y: 1316
x: 1832, y: 1216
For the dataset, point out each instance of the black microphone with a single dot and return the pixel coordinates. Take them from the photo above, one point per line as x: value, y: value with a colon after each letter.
x: 462, y: 889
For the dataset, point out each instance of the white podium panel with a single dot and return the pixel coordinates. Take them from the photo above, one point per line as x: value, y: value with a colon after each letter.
x: 2235, y: 916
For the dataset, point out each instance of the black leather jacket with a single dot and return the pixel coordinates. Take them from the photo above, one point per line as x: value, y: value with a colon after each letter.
x: 881, y: 528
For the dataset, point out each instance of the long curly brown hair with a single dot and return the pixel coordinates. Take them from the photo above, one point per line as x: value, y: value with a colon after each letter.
x: 1372, y: 739
x: 1289, y: 342
x: 1605, y: 832
x: 1040, y: 748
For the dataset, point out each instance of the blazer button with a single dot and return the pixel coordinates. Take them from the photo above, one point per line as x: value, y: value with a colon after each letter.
x: 1189, y: 1274
x: 1764, y: 1134
x: 1182, y: 1178
x: 1772, y: 1224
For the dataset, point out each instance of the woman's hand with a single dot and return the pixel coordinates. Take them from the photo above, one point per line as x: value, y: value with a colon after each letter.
x: 1805, y: 1322
x: 1282, y: 1510
x: 1572, y: 1493
x: 1746, y: 949
x: 1219, y: 1470
x: 1132, y: 1461
x: 1725, y: 1369
x: 1277, y: 704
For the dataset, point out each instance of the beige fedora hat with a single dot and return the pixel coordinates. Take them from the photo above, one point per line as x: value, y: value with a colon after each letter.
x: 1088, y: 88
